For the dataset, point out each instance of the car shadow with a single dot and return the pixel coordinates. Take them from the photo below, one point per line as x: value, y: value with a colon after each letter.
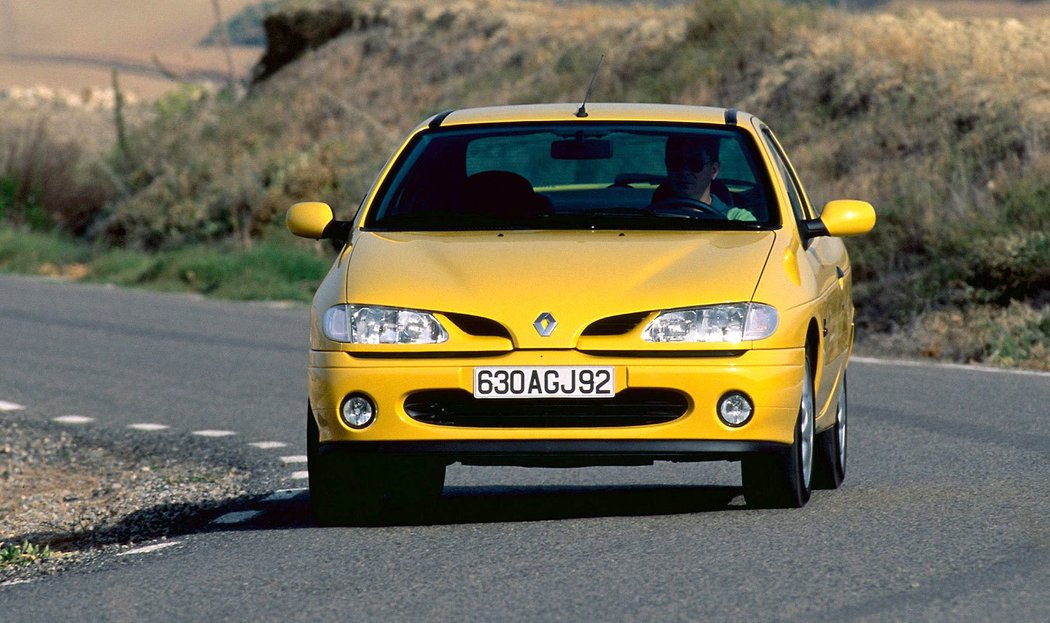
x: 505, y: 504
x: 290, y: 509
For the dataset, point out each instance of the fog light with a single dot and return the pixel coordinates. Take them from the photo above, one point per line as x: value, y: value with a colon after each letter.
x: 735, y: 409
x: 358, y: 411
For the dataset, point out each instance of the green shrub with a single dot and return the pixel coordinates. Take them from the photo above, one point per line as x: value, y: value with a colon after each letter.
x: 1021, y: 343
x: 25, y: 554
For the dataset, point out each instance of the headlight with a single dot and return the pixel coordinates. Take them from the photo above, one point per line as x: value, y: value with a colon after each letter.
x: 732, y: 323
x: 361, y: 324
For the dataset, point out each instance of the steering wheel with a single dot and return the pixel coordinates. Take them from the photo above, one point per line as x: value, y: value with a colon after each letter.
x: 673, y: 203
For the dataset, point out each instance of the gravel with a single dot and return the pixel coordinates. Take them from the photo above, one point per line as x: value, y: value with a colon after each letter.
x: 92, y: 492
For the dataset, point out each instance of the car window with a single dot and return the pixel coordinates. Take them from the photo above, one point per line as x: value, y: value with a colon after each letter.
x: 569, y: 176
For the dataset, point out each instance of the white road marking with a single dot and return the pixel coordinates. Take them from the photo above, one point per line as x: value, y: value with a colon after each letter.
x: 304, y: 475
x: 14, y: 583
x: 213, y: 433
x: 298, y: 458
x: 238, y: 517
x: 10, y: 406
x: 268, y: 445
x: 148, y: 548
x: 147, y: 426
x: 907, y: 363
x: 283, y: 495
x: 73, y: 419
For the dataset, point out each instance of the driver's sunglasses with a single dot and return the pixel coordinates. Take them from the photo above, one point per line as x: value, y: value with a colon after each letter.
x: 693, y: 162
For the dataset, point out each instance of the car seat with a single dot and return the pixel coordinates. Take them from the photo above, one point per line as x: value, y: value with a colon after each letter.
x: 504, y: 194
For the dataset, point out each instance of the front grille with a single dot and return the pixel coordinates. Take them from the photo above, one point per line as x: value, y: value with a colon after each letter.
x: 631, y: 407
x: 616, y: 325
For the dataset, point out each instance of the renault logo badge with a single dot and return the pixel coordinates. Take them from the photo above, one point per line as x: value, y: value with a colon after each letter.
x: 545, y: 324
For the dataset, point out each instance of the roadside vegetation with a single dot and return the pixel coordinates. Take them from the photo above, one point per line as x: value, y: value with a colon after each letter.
x: 943, y: 124
x: 25, y: 553
x: 267, y: 271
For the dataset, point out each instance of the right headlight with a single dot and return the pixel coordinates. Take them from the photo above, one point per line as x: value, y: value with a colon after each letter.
x: 729, y: 323
x: 370, y: 324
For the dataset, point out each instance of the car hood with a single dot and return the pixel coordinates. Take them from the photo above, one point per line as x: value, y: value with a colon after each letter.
x: 578, y: 277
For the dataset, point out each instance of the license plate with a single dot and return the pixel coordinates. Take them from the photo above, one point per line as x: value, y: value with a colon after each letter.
x: 545, y: 382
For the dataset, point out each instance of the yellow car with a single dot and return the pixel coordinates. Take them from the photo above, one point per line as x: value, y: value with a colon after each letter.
x: 554, y: 285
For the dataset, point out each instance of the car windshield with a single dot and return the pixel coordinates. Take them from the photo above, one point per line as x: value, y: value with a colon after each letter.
x: 576, y: 176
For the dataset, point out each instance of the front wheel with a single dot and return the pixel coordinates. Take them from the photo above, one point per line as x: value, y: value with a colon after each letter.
x: 351, y: 490
x: 784, y: 481
x: 831, y: 448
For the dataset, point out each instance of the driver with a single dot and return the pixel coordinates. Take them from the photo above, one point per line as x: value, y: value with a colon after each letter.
x: 692, y: 166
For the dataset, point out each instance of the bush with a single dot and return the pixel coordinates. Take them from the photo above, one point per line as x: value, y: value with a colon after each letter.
x: 1015, y: 335
x: 44, y: 181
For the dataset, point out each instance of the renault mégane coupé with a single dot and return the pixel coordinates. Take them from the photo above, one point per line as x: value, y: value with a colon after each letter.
x: 551, y: 286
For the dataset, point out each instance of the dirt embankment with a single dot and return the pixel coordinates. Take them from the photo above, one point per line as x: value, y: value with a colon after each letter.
x: 99, y: 491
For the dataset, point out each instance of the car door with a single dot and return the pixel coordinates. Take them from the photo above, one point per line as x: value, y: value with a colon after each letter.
x: 826, y: 258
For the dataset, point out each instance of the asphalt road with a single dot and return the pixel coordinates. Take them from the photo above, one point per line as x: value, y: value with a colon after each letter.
x: 943, y: 516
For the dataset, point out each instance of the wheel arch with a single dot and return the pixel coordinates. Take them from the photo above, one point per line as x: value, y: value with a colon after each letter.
x: 814, y: 350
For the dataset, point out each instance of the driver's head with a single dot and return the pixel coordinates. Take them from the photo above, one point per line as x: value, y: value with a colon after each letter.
x: 692, y: 162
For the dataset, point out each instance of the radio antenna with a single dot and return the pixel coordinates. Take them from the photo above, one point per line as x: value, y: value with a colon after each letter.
x: 582, y: 112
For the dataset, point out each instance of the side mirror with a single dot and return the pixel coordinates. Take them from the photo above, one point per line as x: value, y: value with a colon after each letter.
x: 842, y: 217
x: 309, y: 219
x: 314, y: 220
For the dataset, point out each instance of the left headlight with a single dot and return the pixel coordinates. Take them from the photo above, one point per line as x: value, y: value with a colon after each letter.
x: 730, y: 323
x: 369, y: 324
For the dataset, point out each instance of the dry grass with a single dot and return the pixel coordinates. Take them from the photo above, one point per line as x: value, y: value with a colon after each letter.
x: 1020, y: 9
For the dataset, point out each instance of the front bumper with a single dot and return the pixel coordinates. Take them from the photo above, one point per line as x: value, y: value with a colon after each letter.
x: 556, y: 452
x: 772, y: 379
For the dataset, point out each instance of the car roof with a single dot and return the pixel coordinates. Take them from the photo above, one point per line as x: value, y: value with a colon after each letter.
x: 596, y: 112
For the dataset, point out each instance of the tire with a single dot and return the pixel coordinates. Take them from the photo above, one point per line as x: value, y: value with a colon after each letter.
x: 830, y: 466
x: 784, y: 480
x: 383, y: 487
x: 327, y: 499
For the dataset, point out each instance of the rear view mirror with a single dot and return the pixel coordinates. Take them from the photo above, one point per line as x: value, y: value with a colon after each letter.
x: 581, y: 149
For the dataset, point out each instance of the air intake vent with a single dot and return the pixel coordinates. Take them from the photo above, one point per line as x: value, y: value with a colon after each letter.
x: 616, y: 325
x: 476, y: 325
x: 630, y: 407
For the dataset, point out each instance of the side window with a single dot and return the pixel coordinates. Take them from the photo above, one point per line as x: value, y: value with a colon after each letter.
x: 785, y: 174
